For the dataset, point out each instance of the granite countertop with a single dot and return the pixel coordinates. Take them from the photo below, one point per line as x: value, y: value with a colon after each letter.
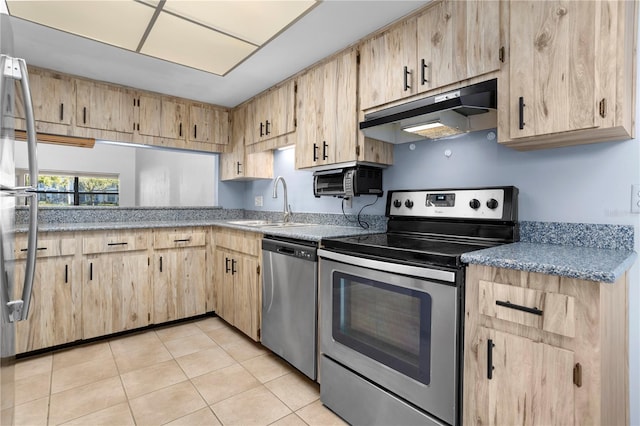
x: 587, y: 263
x: 308, y: 232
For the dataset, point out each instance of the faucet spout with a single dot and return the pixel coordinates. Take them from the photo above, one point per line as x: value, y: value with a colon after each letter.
x: 287, y: 208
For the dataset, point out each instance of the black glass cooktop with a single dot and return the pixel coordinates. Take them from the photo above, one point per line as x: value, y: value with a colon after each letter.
x: 406, y: 248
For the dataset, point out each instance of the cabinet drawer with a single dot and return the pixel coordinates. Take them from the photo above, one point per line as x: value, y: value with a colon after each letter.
x: 114, y: 242
x: 177, y: 238
x: 243, y: 242
x: 47, y: 247
x: 546, y: 311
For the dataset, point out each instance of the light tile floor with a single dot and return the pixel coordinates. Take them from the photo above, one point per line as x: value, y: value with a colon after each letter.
x: 202, y: 372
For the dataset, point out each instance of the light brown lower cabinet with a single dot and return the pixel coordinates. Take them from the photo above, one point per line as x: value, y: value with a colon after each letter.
x: 116, y: 292
x: 542, y: 349
x: 237, y: 280
x: 179, y: 277
x: 54, y: 314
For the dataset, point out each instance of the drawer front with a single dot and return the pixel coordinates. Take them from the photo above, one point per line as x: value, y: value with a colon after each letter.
x: 177, y: 238
x: 240, y: 241
x: 115, y: 242
x: 552, y: 312
x: 47, y: 247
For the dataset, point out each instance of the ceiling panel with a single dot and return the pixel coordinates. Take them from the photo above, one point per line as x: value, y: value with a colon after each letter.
x: 92, y: 19
x: 253, y: 20
x: 182, y: 42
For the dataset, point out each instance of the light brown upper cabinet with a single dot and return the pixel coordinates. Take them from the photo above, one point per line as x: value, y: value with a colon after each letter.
x: 52, y: 96
x: 208, y: 124
x: 237, y: 164
x: 272, y: 114
x: 328, y: 119
x: 104, y: 107
x: 162, y: 117
x: 570, y: 73
x: 449, y: 42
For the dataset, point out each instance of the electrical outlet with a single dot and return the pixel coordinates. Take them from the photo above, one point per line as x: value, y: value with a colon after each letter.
x: 635, y: 198
x: 259, y: 201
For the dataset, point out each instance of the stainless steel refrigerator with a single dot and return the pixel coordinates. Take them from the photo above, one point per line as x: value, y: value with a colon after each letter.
x: 14, y: 307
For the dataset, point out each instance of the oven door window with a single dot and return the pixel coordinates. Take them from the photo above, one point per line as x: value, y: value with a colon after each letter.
x: 387, y: 323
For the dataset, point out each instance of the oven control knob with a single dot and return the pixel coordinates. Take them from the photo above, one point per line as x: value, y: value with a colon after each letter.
x: 397, y: 204
x: 408, y: 204
x: 492, y: 203
x: 474, y: 204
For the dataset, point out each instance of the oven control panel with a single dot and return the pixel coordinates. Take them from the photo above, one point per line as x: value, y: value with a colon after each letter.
x: 481, y: 203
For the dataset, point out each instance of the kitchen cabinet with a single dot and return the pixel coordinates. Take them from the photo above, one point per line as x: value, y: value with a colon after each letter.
x: 571, y: 73
x: 116, y: 292
x: 104, y: 107
x: 54, y: 314
x: 238, y: 164
x: 161, y: 117
x: 271, y: 114
x: 327, y: 131
x: 449, y: 42
x: 180, y: 274
x: 53, y: 98
x: 208, y: 124
x: 237, y: 277
x: 543, y: 349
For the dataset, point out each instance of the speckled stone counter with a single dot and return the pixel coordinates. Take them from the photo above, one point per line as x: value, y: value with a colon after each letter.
x: 584, y: 251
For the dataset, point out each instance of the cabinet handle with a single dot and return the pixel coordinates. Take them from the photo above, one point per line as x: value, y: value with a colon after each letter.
x: 183, y: 240
x: 61, y: 111
x: 577, y: 375
x: 233, y: 266
x: 66, y: 274
x: 238, y: 167
x: 490, y: 366
x: 315, y: 152
x: 602, y: 106
x: 261, y: 127
x: 423, y: 74
x: 84, y: 115
x: 266, y: 128
x: 117, y: 244
x: 521, y: 106
x: 195, y: 131
x: 160, y: 263
x: 91, y: 271
x: 226, y: 265
x: 507, y: 304
x: 180, y: 130
x: 324, y: 150
x: 39, y: 248
x: 407, y: 73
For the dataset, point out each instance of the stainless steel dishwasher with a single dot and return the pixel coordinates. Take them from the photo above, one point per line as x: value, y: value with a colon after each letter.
x: 289, y: 301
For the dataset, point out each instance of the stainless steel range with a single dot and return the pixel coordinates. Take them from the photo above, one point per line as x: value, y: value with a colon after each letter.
x: 391, y: 305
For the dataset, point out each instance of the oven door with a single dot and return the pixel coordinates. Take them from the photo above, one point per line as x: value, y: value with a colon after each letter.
x: 396, y: 325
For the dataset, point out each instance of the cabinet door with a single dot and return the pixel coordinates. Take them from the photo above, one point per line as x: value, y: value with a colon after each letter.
x: 224, y: 284
x: 191, y: 298
x: 456, y: 41
x: 52, y: 314
x: 52, y: 97
x: 247, y: 303
x: 552, y: 67
x: 310, y: 117
x: 162, y: 117
x: 150, y: 115
x: 531, y: 383
x: 103, y: 107
x: 200, y: 121
x: 280, y: 116
x: 97, y: 299
x: 232, y: 164
x: 219, y: 126
x: 388, y: 66
x: 131, y: 291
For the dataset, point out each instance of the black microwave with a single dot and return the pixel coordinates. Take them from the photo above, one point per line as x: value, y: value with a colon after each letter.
x: 348, y: 182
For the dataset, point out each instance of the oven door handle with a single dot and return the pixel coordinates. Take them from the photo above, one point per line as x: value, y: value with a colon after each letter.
x: 415, y: 271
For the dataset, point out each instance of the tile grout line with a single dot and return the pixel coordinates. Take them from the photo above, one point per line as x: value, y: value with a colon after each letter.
x: 124, y: 388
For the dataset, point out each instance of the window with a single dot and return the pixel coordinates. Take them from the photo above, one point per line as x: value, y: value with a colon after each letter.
x: 69, y: 190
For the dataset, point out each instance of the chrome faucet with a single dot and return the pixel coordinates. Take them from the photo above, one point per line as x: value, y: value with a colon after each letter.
x: 287, y: 207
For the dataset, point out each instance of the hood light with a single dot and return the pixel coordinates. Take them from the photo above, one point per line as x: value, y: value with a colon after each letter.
x: 433, y: 130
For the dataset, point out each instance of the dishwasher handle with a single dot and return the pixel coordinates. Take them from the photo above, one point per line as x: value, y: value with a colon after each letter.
x: 286, y: 250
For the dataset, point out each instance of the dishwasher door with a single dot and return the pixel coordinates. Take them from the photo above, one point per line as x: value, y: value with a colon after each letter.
x: 289, y: 302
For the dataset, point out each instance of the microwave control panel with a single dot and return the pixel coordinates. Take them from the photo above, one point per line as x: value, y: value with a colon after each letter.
x: 481, y: 203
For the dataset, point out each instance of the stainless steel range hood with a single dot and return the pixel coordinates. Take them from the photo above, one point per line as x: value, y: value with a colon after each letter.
x: 468, y: 109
